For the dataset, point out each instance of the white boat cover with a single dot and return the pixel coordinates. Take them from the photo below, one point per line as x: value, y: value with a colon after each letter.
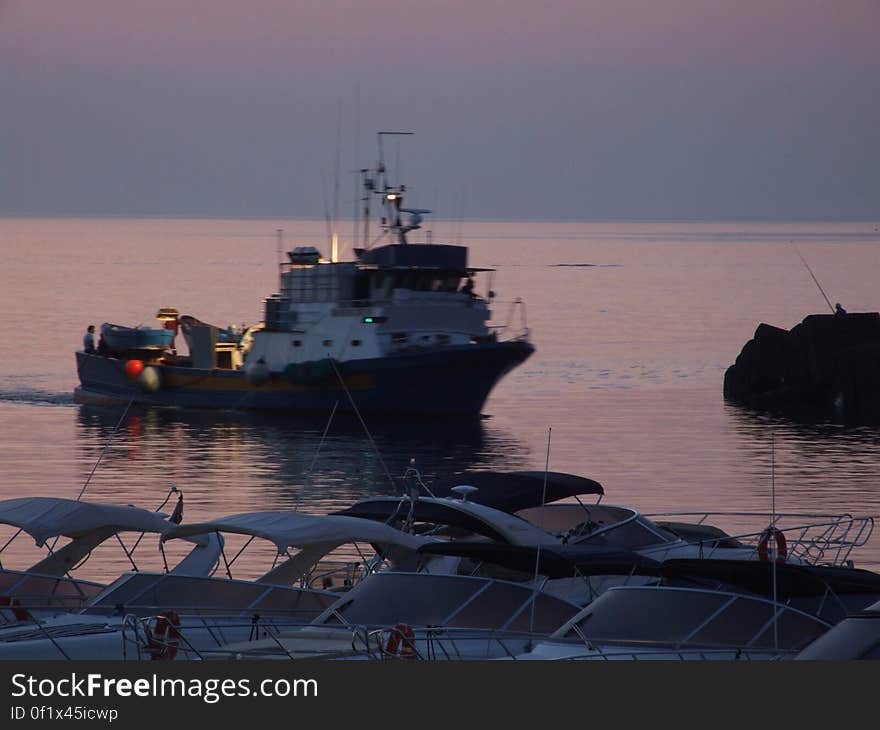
x: 47, y: 517
x: 292, y: 529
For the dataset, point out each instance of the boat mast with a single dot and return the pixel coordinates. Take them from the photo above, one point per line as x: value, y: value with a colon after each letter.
x: 279, y: 234
x: 392, y: 197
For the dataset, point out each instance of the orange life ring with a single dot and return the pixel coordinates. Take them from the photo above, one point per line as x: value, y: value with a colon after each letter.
x: 20, y: 613
x: 764, y: 543
x: 165, y: 636
x: 401, y: 643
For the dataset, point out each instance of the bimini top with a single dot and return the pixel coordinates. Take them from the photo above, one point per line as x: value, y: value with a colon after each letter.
x: 47, y: 517
x: 516, y: 490
x: 292, y: 529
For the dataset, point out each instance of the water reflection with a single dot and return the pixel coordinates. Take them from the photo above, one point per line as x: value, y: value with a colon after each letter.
x: 812, y: 463
x: 251, y: 461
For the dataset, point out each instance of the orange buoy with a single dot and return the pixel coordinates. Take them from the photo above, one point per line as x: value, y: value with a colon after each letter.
x: 133, y: 368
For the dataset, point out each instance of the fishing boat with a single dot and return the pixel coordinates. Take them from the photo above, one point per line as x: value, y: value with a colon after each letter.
x: 400, y: 328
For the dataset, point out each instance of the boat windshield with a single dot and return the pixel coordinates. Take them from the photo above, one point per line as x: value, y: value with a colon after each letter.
x: 420, y: 599
x: 33, y: 590
x: 610, y: 526
x: 694, y: 618
x: 142, y: 593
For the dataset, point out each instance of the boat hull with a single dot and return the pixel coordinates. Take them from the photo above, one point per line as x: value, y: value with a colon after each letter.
x: 454, y: 380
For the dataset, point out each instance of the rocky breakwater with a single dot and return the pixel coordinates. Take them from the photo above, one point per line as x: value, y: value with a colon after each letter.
x: 827, y: 367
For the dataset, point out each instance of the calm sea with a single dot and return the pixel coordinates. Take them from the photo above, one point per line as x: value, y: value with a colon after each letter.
x: 634, y: 325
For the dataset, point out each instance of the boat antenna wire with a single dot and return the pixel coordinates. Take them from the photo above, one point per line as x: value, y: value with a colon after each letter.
x: 361, y: 419
x: 310, y: 470
x: 538, y: 551
x: 357, y: 163
x: 104, y: 450
x: 827, y: 301
x: 279, y: 236
x: 773, y: 529
x: 98, y: 461
x: 334, y: 237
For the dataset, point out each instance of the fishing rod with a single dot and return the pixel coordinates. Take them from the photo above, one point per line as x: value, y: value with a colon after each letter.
x: 827, y: 301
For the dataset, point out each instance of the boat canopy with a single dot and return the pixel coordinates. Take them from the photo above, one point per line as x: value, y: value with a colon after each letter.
x: 470, y: 516
x: 516, y: 490
x: 424, y: 255
x: 291, y: 529
x: 47, y: 517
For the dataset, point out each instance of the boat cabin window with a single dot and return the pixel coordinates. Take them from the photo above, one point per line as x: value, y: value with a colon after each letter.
x: 320, y: 283
x: 327, y: 343
x: 421, y: 281
x: 399, y: 338
x: 297, y: 343
x: 361, y: 287
x: 355, y: 343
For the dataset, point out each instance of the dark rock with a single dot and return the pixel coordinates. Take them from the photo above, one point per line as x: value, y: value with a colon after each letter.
x: 828, y: 366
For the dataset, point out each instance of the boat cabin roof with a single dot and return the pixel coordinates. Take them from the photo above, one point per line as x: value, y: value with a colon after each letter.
x: 517, y: 490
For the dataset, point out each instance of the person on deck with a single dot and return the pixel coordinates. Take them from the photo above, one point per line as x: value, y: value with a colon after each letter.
x: 89, y: 340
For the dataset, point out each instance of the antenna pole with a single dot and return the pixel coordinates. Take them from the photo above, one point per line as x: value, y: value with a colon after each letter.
x: 104, y: 450
x: 773, y: 535
x: 279, y: 235
x: 825, y: 296
x: 334, y: 237
x: 538, y: 551
x: 357, y: 163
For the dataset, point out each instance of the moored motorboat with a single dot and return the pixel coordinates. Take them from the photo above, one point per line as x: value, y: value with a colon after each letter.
x: 146, y: 615
x: 52, y: 584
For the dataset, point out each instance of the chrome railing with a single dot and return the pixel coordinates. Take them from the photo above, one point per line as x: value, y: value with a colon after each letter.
x: 817, y: 539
